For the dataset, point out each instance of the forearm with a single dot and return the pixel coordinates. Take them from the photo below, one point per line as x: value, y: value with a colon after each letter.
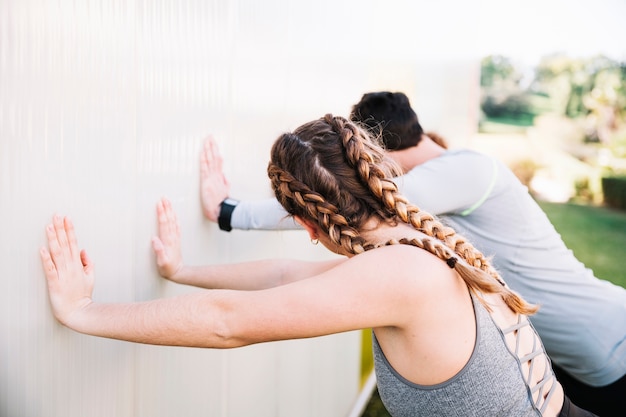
x: 195, y: 320
x: 254, y: 275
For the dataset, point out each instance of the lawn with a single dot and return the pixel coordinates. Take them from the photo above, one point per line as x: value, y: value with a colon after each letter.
x: 596, y: 235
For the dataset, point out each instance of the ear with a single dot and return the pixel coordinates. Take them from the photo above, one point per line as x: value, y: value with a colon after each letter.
x: 309, y: 226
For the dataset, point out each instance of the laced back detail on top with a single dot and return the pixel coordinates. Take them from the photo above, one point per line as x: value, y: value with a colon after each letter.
x: 541, y: 387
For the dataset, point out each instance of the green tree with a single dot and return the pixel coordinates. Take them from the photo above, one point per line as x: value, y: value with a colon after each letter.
x: 502, y: 97
x: 569, y: 82
x: 496, y: 70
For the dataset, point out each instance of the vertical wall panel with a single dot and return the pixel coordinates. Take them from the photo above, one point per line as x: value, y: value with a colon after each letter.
x: 103, y: 108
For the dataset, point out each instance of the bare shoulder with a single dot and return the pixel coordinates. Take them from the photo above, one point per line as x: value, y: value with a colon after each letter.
x: 402, y: 263
x: 405, y: 282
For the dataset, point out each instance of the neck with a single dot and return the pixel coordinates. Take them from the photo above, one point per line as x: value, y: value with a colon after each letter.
x: 380, y: 232
x: 411, y: 157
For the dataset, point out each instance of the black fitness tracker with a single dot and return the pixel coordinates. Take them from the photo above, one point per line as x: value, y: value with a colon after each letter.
x: 226, y: 212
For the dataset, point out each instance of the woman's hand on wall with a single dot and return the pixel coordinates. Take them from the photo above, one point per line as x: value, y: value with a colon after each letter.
x: 167, y: 244
x: 69, y: 271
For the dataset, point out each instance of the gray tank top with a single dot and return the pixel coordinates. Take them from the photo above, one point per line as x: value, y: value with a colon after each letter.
x: 490, y: 384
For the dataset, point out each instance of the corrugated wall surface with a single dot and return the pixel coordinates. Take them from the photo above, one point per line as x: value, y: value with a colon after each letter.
x: 103, y: 107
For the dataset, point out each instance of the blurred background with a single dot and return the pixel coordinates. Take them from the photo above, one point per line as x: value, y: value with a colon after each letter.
x: 103, y: 108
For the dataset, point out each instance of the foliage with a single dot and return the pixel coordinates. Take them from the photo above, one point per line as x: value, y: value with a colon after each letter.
x: 497, y: 70
x: 590, y: 92
x: 514, y: 105
x: 581, y: 84
x: 502, y: 96
x: 375, y: 407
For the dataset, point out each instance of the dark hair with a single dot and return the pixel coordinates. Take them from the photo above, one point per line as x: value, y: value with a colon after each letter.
x: 389, y: 115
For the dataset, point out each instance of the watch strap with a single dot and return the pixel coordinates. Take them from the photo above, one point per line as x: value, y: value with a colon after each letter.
x: 226, y: 212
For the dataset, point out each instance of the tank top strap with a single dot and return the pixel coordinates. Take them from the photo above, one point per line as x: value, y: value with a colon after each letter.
x: 536, y: 355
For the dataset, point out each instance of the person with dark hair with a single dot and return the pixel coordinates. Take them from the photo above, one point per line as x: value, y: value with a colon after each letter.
x: 449, y: 336
x: 401, y: 131
x: 582, y: 319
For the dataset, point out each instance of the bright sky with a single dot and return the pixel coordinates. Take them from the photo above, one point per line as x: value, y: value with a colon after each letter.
x: 523, y: 30
x: 529, y: 29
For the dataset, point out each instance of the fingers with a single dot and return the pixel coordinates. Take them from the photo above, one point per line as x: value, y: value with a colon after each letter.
x: 215, y: 153
x: 168, y: 226
x: 170, y: 214
x: 164, y: 206
x: 61, y: 235
x: 211, y: 161
x: 48, y: 265
x: 161, y: 218
x: 162, y: 258
x: 206, y: 156
x: 166, y: 245
x: 204, y: 169
x: 55, y: 251
x: 71, y: 236
x: 62, y: 244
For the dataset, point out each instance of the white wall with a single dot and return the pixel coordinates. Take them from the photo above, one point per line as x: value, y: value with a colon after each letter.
x: 103, y: 107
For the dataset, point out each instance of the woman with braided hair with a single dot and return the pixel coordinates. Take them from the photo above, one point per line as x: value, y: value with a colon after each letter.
x: 582, y: 320
x: 450, y: 337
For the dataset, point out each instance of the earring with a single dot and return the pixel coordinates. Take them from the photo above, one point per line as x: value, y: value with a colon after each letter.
x: 315, y: 241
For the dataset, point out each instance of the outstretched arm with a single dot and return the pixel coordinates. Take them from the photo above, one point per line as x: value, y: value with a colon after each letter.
x: 253, y: 275
x: 329, y: 303
x: 70, y: 278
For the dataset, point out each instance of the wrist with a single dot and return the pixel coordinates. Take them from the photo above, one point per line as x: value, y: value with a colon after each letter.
x: 180, y: 275
x: 77, y: 320
x: 225, y: 214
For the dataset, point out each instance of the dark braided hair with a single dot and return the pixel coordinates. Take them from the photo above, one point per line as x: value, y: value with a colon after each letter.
x: 331, y: 172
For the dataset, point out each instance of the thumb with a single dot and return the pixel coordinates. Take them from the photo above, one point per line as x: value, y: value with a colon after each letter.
x: 157, y: 245
x: 159, y: 249
x: 86, y: 261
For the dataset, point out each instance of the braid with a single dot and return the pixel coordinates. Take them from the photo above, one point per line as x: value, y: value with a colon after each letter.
x: 448, y: 241
x: 331, y: 172
x: 387, y: 191
x: 289, y: 190
x: 432, y: 227
x: 477, y: 281
x: 367, y: 163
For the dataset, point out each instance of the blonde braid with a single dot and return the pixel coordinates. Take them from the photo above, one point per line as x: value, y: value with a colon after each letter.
x: 360, y: 154
x: 449, y: 241
x: 428, y: 224
x: 387, y: 191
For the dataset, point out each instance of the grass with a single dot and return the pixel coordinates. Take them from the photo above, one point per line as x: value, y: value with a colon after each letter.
x: 596, y: 235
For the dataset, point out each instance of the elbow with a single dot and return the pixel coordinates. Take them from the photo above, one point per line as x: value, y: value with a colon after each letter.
x: 223, y: 335
x: 226, y: 333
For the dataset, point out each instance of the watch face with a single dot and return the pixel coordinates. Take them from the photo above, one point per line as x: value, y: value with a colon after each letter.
x: 230, y: 202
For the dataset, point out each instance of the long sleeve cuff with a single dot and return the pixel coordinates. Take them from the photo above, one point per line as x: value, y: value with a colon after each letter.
x: 266, y: 214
